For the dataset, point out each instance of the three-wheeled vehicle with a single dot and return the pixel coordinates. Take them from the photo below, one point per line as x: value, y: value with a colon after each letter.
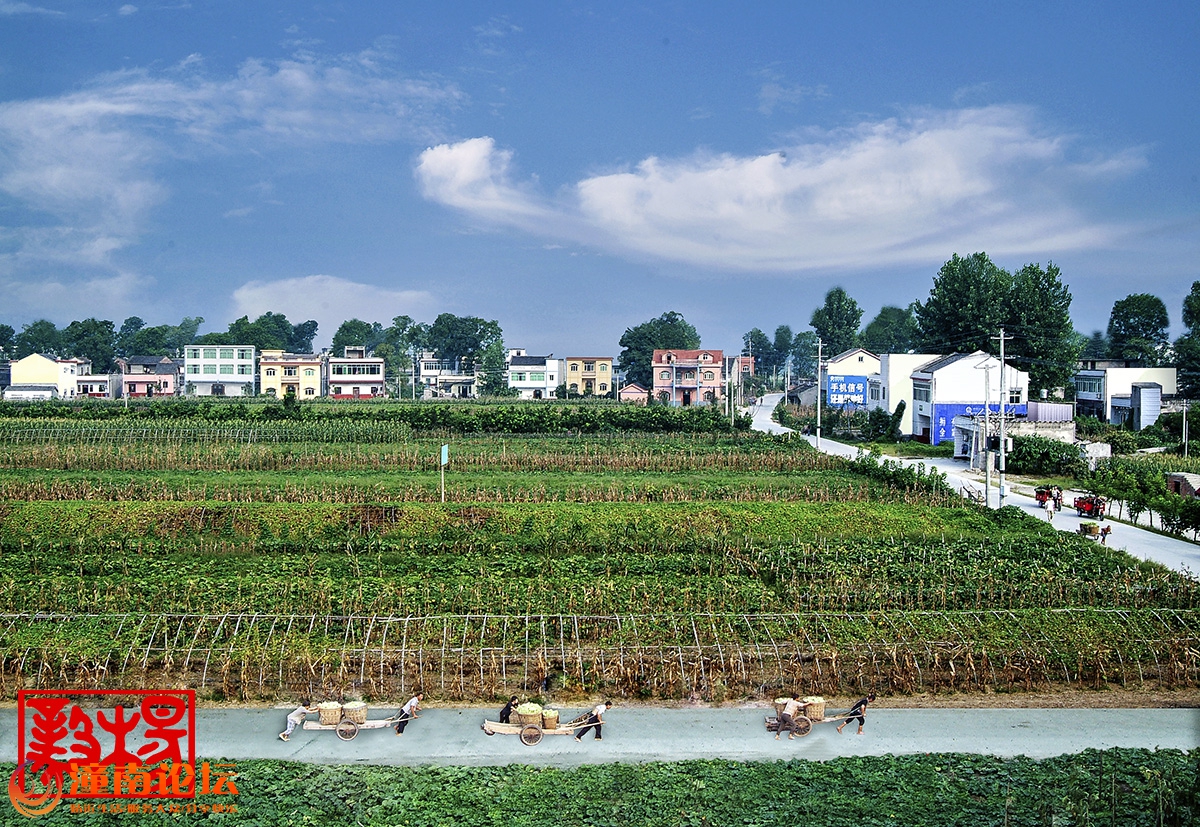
x: 1090, y: 506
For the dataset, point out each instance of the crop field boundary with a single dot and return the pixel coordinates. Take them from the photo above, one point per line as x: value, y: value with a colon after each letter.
x: 477, y: 656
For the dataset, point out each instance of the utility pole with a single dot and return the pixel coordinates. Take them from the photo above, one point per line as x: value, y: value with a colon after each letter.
x: 819, y: 344
x: 1003, y: 417
x: 987, y: 434
x: 1185, y: 427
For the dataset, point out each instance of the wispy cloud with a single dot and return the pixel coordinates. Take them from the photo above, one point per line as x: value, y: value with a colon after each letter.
x: 87, y: 163
x: 901, y: 190
x: 329, y: 301
x: 101, y: 297
x: 7, y: 8
x: 777, y: 91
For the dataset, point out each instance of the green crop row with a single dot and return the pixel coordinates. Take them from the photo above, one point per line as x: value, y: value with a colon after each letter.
x: 1126, y: 787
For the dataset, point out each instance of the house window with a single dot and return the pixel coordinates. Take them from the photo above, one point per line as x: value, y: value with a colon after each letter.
x: 270, y: 371
x: 518, y: 377
x: 664, y: 397
x: 289, y: 371
x: 708, y: 375
x: 574, y: 387
x: 537, y: 377
x: 574, y: 366
x: 603, y: 367
x: 1089, y: 384
x: 193, y: 353
x: 922, y: 392
x: 875, y: 393
x: 310, y: 391
x: 227, y: 369
x: 666, y: 374
x: 226, y: 353
x: 244, y: 370
x: 704, y: 357
x: 603, y: 387
x: 245, y: 353
x: 337, y: 389
x: 210, y: 353
x: 210, y: 370
x: 589, y: 366
x: 309, y: 372
x: 1014, y: 396
x: 193, y: 368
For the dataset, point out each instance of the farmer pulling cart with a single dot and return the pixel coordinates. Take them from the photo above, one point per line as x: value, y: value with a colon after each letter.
x: 533, y: 723
x: 814, y: 713
x: 345, y: 720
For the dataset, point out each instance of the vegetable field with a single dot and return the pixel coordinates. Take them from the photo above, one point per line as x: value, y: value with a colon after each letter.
x: 644, y: 565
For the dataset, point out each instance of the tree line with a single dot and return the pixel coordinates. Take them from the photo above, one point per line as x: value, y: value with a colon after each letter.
x: 971, y: 300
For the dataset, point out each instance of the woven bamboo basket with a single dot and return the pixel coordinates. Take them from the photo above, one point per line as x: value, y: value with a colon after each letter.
x: 814, y: 707
x: 529, y: 713
x: 356, y: 711
x: 329, y: 712
x: 549, y: 719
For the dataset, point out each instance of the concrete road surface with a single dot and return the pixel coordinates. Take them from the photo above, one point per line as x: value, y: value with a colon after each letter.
x: 641, y: 734
x: 1175, y: 553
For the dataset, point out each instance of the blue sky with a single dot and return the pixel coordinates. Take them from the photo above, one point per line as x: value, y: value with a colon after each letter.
x: 573, y: 169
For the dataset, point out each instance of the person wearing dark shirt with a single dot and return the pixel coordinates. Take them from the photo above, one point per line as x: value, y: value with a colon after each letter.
x: 859, y: 711
x: 506, y: 713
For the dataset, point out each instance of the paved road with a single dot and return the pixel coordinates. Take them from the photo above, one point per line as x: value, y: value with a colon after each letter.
x: 634, y: 735
x: 1172, y: 552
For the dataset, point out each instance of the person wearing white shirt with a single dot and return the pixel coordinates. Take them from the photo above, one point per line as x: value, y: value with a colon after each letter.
x: 595, y: 721
x: 787, y: 718
x: 409, y: 711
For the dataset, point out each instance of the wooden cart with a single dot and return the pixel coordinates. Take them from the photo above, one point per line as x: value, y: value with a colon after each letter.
x: 802, y: 724
x: 531, y: 733
x: 347, y: 729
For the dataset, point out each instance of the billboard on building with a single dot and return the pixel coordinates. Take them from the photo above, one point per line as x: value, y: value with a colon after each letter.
x: 943, y: 417
x: 846, y: 391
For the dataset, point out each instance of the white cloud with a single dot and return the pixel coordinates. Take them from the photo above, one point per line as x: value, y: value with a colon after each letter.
x: 127, y: 10
x: 901, y: 190
x: 101, y: 297
x: 7, y: 8
x: 84, y: 166
x: 329, y: 301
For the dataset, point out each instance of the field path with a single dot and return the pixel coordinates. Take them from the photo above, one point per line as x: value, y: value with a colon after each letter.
x: 1180, y: 555
x: 635, y: 735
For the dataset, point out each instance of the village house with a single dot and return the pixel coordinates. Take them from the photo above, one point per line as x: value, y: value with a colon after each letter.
x: 219, y: 370
x: 590, y: 375
x: 354, y: 375
x: 40, y: 378
x: 960, y: 385
x: 300, y: 374
x: 1117, y: 394
x: 144, y: 376
x: 534, y: 377
x: 893, y: 384
x: 688, y: 377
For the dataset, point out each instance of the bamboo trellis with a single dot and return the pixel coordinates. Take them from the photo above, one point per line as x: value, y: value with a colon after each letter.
x: 484, y: 656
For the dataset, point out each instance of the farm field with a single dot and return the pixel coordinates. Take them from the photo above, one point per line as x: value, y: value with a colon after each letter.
x: 647, y: 565
x: 1128, y: 787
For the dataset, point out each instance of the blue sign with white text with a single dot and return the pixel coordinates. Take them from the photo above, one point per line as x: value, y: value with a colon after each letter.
x: 943, y: 417
x: 846, y: 391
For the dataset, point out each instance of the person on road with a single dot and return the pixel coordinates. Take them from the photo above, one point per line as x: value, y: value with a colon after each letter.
x: 859, y: 710
x: 506, y: 713
x: 1104, y: 532
x: 595, y: 721
x: 1050, y: 508
x: 296, y: 717
x: 409, y: 711
x: 787, y: 718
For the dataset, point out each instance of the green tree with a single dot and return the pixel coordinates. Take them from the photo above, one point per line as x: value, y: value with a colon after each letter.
x: 494, y: 382
x: 462, y: 340
x: 966, y: 306
x: 41, y: 337
x: 6, y: 342
x: 670, y: 330
x: 781, y: 345
x: 756, y: 344
x: 1137, y: 329
x: 1038, y: 317
x: 837, y: 320
x: 300, y: 340
x: 1095, y: 346
x: 94, y: 340
x: 804, y: 354
x: 893, y: 330
x: 136, y: 339
x: 1187, y: 346
x: 356, y: 333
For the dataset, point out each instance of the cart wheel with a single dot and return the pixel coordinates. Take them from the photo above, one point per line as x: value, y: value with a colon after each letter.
x: 346, y: 729
x: 801, y: 726
x: 531, y: 734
